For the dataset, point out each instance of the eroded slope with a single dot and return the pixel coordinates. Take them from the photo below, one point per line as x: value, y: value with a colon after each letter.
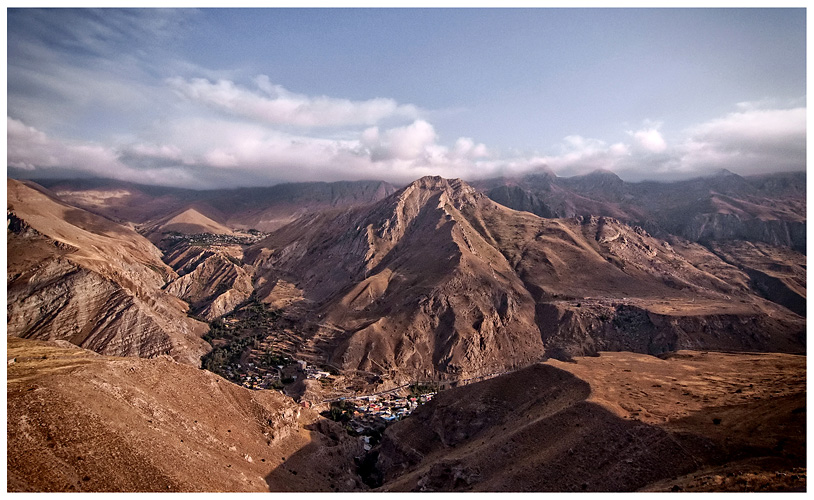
x: 76, y: 276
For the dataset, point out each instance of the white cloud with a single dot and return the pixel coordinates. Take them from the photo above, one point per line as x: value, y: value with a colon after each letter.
x: 278, y: 106
x: 754, y: 127
x: 750, y: 141
x: 404, y: 143
x: 29, y: 148
x: 746, y: 142
x: 649, y: 139
x: 465, y: 147
x: 209, y: 152
x: 580, y: 155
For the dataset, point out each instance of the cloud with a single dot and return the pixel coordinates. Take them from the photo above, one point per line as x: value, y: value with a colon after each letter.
x: 405, y: 143
x: 750, y: 141
x: 465, y: 147
x: 580, y: 155
x: 747, y: 142
x: 649, y: 139
x: 71, y: 68
x: 278, y: 106
x: 33, y: 153
x: 215, y: 151
x: 30, y: 149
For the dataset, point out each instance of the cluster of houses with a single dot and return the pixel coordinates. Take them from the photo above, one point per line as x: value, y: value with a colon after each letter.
x: 311, y: 372
x: 370, y: 411
x: 254, y: 376
x: 216, y: 239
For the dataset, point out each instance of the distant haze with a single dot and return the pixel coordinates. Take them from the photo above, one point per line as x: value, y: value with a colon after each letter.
x: 251, y: 97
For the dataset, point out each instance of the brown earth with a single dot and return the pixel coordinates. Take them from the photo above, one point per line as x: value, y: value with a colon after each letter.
x: 618, y: 422
x: 438, y: 281
x: 765, y: 208
x: 685, y: 421
x: 211, y: 279
x: 75, y: 276
x: 78, y: 421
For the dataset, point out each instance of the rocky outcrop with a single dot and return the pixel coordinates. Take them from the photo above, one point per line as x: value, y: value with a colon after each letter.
x: 586, y: 329
x: 212, y: 279
x: 77, y: 277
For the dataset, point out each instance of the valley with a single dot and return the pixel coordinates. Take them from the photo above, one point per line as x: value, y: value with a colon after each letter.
x: 441, y: 336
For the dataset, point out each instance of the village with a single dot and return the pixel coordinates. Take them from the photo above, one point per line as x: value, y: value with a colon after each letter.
x: 252, y: 350
x: 208, y: 239
x: 363, y: 415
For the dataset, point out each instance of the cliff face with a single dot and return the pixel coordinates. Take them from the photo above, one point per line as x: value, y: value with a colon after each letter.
x: 717, y: 226
x: 78, y: 277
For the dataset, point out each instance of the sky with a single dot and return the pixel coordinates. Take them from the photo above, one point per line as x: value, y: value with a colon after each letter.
x: 210, y: 98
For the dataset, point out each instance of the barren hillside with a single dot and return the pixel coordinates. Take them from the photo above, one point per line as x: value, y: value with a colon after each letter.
x: 78, y: 421
x: 439, y: 281
x: 688, y: 421
x: 79, y: 277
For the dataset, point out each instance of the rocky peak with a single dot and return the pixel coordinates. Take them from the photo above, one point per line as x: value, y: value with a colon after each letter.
x: 457, y: 191
x: 723, y: 173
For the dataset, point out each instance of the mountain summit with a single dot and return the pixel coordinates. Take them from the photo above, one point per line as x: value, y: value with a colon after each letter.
x: 437, y: 280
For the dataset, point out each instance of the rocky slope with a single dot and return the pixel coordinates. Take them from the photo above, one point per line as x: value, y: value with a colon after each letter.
x: 79, y: 277
x: 776, y: 273
x: 78, y: 421
x: 725, y: 206
x: 411, y: 289
x: 619, y: 422
x: 439, y: 281
x: 211, y: 279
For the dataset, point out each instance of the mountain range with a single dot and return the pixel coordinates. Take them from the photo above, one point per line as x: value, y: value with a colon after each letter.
x: 530, y: 281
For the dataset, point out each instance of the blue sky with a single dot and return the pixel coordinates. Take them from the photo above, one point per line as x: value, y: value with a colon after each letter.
x: 233, y: 97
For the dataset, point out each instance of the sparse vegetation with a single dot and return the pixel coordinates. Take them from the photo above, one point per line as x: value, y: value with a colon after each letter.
x: 235, y: 333
x: 419, y: 389
x: 340, y: 411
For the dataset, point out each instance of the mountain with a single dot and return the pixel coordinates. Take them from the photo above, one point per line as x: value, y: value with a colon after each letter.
x: 78, y: 421
x: 76, y: 276
x: 407, y: 286
x: 188, y: 221
x: 686, y: 421
x: 724, y: 206
x: 264, y: 208
x: 211, y: 279
x: 439, y: 281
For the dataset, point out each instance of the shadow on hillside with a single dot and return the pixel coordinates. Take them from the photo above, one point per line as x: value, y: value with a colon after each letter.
x: 534, y: 430
x: 326, y: 464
